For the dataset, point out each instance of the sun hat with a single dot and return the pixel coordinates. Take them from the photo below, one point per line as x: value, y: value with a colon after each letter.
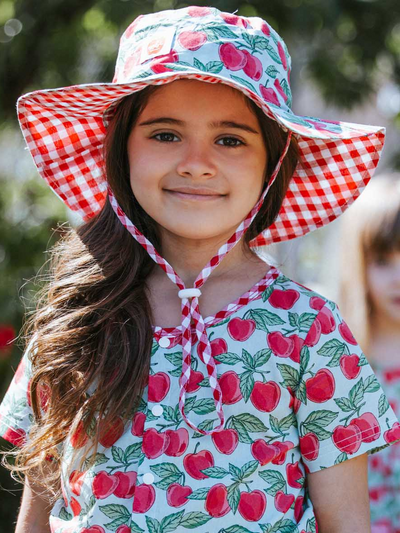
x: 64, y: 129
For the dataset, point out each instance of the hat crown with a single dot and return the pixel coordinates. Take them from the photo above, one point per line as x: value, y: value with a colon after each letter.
x: 245, y: 50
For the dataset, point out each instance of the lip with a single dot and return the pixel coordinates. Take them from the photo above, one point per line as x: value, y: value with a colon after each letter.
x: 201, y: 194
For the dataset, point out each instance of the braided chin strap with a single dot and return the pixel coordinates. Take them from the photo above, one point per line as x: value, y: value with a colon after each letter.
x: 191, y: 316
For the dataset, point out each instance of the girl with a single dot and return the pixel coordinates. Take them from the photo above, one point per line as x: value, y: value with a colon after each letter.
x: 228, y: 400
x: 371, y: 302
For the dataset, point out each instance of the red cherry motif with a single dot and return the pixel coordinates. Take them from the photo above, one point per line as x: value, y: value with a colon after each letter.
x: 154, y: 443
x: 265, y: 29
x: 309, y: 446
x: 298, y: 509
x: 132, y: 61
x: 252, y: 505
x: 346, y: 334
x: 110, y: 432
x: 16, y: 437
x: 234, y: 19
x: 283, y: 502
x: 349, y: 366
x: 369, y: 427
x: 282, y: 55
x: 314, y: 334
x: 294, y: 474
x: 294, y: 402
x: 177, y: 494
x: 269, y: 95
x: 218, y: 347
x: 178, y: 441
x: 326, y: 320
x: 138, y: 424
x: 91, y: 529
x: 264, y: 453
x: 265, y: 396
x: 192, y: 40
x: 159, y: 384
x: 216, y: 503
x: 126, y: 484
x: 75, y: 506
x: 104, y: 484
x: 230, y: 387
x: 278, y: 88
x: 280, y: 345
x: 284, y: 448
x: 194, y: 463
x: 392, y: 434
x: 232, y: 57
x: 158, y: 66
x: 76, y: 481
x: 317, y: 303
x: 283, y: 299
x: 131, y: 27
x: 298, y: 343
x: 253, y: 67
x: 195, y: 378
x: 145, y: 496
x: 123, y: 529
x: 241, y: 330
x: 225, y: 440
x: 321, y: 387
x: 347, y: 438
x: 196, y: 11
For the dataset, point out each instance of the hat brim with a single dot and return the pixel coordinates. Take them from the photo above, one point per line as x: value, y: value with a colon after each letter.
x: 64, y: 129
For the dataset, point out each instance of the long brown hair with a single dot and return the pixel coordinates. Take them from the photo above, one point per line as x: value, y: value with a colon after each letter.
x: 370, y: 231
x: 93, y: 323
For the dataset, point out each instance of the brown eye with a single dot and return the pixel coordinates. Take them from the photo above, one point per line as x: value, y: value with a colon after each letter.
x: 231, y: 142
x: 164, y: 137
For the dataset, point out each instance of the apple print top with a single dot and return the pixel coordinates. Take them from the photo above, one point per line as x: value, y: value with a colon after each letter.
x: 384, y: 468
x: 298, y: 396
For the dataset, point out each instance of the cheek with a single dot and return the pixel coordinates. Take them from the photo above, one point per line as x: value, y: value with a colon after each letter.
x: 379, y: 285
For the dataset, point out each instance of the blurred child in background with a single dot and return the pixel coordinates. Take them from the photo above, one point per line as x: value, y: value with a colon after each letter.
x: 370, y: 296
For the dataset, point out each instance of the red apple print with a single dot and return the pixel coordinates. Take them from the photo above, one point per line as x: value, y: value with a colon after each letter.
x: 138, y: 424
x: 126, y: 484
x: 347, y: 439
x: 284, y: 448
x: 194, y: 463
x: 196, y: 11
x: 177, y: 494
x: 346, y: 334
x: 218, y: 347
x: 104, y: 484
x: 314, y: 334
x: 159, y: 384
x: 317, y: 303
x: 194, y: 380
x: 280, y: 345
x: 79, y: 437
x: 225, y: 440
x: 157, y: 64
x: 20, y: 371
x: 76, y: 481
x: 123, y: 529
x: 192, y: 40
x: 252, y: 505
x: 294, y: 474
x: 253, y: 67
x: 75, y: 506
x: 393, y: 433
x: 265, y: 396
x: 132, y: 61
x: 178, y: 442
x: 298, y: 343
x: 269, y: 95
x: 349, y: 366
x: 110, y: 432
x: 241, y: 330
x: 327, y: 321
x: 279, y: 89
x: 369, y: 427
x: 230, y: 387
x: 232, y: 57
x: 265, y: 29
x: 282, y: 55
x: 234, y: 19
x: 321, y: 387
x: 91, y: 529
x: 154, y: 443
x: 17, y: 437
x: 131, y: 27
x: 144, y: 498
x: 283, y: 502
x: 216, y: 503
x: 264, y: 453
x: 283, y: 299
x: 299, y: 511
x: 294, y: 402
x: 309, y: 446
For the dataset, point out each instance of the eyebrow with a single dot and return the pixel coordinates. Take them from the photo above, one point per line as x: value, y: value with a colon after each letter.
x: 211, y: 125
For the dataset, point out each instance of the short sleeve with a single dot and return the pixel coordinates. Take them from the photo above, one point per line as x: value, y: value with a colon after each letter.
x: 16, y: 415
x: 342, y: 411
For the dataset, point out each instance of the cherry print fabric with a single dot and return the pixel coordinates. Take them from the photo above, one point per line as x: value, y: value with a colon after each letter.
x: 298, y: 396
x: 384, y: 468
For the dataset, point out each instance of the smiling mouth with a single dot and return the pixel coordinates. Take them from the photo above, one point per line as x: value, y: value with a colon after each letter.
x: 194, y: 195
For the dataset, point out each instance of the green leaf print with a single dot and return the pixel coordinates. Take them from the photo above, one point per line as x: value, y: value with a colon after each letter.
x: 267, y: 293
x: 275, y: 479
x: 262, y: 357
x: 217, y: 32
x: 261, y: 42
x: 233, y: 496
x: 264, y: 318
x: 118, y: 513
x: 344, y: 404
x: 235, y: 472
x: 271, y: 71
x: 228, y: 358
x: 250, y: 422
x: 165, y: 482
x: 274, y: 423
x: 248, y: 469
x: 118, y: 454
x: 247, y: 358
x: 154, y: 348
x: 383, y: 405
x: 265, y: 528
x: 248, y: 38
x: 176, y: 372
x: 335, y: 361
x: 153, y: 525
x: 301, y: 392
x: 356, y: 394
x: 205, y: 425
x: 198, y: 64
x: 320, y: 432
x: 65, y: 515
x: 194, y: 519
x: 244, y: 82
x: 322, y: 417
x: 243, y: 434
x: 294, y: 320
x: 189, y: 403
x: 246, y: 384
x: 311, y: 525
x: 341, y: 458
x: 332, y: 348
x: 165, y: 469
x: 272, y: 54
x: 132, y: 452
x: 199, y: 494
x: 204, y: 406
x: 371, y: 384
x: 216, y: 472
x: 304, y: 359
x: 114, y: 525
x: 363, y: 360
x: 290, y: 376
x: 287, y: 422
x: 305, y: 321
x: 135, y: 528
x: 174, y: 358
x: 171, y: 522
x: 219, y: 323
x: 214, y: 67
x: 235, y: 529
x: 95, y: 460
x: 285, y: 526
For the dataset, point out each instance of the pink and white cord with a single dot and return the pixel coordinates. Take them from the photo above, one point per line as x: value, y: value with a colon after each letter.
x: 191, y: 316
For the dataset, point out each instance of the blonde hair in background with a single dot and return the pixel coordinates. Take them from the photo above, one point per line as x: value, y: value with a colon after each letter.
x: 370, y: 230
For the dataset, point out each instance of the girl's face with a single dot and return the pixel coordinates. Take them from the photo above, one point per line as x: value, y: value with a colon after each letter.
x: 197, y: 159
x: 383, y: 277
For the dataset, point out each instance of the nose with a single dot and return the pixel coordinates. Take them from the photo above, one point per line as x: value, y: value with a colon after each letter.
x: 196, y: 161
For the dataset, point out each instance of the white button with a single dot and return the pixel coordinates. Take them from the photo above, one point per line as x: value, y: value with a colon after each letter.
x: 164, y: 342
x: 157, y: 410
x: 189, y: 293
x: 148, y: 478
